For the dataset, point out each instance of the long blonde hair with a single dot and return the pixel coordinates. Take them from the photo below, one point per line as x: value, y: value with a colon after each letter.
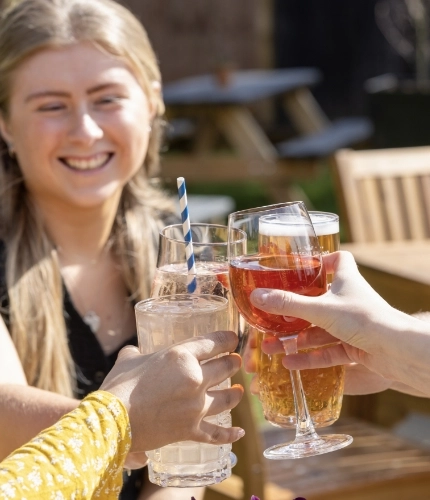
x: 33, y: 278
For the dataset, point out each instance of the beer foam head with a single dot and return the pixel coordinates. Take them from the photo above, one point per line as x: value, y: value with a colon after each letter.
x: 284, y: 225
x: 324, y: 223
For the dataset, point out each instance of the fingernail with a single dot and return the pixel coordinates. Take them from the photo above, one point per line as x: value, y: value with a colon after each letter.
x: 259, y: 296
x: 240, y: 433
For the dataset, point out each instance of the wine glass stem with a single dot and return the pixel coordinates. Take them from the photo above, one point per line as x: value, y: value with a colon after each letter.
x: 304, y: 427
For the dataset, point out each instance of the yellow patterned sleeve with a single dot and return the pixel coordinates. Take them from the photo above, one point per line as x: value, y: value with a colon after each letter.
x: 80, y: 457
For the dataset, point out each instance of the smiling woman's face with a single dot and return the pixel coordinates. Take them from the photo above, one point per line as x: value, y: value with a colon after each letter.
x: 79, y: 124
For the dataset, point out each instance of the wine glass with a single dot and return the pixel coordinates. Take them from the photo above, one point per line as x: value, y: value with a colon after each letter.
x: 283, y: 253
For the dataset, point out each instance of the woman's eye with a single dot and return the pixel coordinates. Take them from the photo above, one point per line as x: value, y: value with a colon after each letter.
x: 109, y: 99
x: 52, y: 107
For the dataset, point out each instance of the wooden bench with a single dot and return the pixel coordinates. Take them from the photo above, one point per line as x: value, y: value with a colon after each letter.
x: 340, y: 134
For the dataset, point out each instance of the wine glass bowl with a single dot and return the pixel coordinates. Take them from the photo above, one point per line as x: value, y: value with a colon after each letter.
x: 283, y: 253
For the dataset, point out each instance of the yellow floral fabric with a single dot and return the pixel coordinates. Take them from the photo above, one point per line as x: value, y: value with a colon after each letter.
x: 80, y: 457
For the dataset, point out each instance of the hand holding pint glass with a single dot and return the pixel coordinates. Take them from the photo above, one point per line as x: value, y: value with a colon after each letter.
x: 282, y: 253
x: 165, y: 321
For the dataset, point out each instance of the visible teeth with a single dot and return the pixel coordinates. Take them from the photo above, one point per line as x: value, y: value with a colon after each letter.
x: 87, y: 164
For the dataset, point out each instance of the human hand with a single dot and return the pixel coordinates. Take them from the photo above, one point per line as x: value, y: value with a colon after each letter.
x: 372, y: 333
x: 358, y: 379
x: 167, y: 394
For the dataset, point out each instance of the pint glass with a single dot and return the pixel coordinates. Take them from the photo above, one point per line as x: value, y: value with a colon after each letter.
x: 323, y: 387
x: 162, y: 322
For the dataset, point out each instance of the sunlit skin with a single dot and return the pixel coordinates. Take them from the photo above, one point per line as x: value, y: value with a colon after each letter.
x: 72, y: 106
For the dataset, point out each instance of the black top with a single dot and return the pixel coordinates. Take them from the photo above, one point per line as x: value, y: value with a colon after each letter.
x: 91, y: 363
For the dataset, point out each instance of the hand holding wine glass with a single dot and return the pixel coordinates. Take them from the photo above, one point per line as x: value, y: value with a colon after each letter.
x: 282, y: 253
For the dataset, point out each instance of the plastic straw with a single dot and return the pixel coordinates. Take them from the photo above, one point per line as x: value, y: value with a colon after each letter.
x: 186, y: 228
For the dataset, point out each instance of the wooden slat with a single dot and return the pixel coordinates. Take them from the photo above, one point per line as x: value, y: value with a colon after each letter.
x: 425, y: 186
x: 371, y: 210
x: 393, y: 209
x: 350, y: 199
x: 414, y: 207
x: 225, y: 168
x: 245, y: 134
x: 305, y: 112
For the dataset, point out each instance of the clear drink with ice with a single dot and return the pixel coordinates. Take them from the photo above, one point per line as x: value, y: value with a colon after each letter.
x: 162, y: 322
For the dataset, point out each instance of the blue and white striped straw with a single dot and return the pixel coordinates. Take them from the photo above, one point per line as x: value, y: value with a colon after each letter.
x: 186, y: 228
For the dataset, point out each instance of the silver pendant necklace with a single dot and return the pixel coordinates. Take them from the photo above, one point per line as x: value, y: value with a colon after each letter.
x: 92, y: 319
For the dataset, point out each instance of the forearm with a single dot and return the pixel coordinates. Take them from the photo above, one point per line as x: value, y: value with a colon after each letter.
x: 405, y: 344
x: 80, y: 456
x: 25, y: 411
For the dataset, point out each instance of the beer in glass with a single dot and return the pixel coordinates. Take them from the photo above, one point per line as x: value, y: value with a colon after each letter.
x: 323, y: 386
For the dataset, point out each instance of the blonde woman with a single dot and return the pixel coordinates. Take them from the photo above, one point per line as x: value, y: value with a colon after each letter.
x: 80, y: 121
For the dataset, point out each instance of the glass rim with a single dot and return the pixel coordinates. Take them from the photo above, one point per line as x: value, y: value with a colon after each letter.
x: 206, y: 243
x: 265, y: 208
x: 180, y: 296
x: 297, y: 221
x: 325, y: 216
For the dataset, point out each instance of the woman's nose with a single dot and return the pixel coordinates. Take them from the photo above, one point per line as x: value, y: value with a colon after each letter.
x: 85, y: 128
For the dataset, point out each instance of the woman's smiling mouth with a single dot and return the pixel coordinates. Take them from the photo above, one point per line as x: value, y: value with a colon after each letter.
x: 90, y: 163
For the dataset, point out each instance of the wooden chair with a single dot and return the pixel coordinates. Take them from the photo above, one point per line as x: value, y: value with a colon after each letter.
x: 384, y: 193
x: 385, y: 196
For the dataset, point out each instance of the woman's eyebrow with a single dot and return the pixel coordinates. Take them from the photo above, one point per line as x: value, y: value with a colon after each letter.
x: 59, y: 93
x: 103, y: 86
x: 46, y: 93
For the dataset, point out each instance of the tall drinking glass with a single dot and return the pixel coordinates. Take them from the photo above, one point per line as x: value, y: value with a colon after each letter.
x: 283, y: 253
x: 162, y: 322
x: 323, y: 387
x: 210, y: 244
x: 326, y: 225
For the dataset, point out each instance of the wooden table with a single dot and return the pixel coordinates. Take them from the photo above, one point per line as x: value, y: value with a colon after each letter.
x: 225, y: 110
x: 398, y: 271
x: 376, y: 466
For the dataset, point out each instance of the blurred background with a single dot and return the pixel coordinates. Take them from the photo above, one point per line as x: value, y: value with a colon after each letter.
x: 369, y: 52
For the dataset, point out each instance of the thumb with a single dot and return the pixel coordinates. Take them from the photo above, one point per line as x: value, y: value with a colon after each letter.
x: 287, y: 303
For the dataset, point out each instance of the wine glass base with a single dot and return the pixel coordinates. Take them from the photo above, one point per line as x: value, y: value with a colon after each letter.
x: 308, y: 447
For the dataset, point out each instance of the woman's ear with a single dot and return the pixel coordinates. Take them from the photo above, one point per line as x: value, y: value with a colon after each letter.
x: 5, y: 130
